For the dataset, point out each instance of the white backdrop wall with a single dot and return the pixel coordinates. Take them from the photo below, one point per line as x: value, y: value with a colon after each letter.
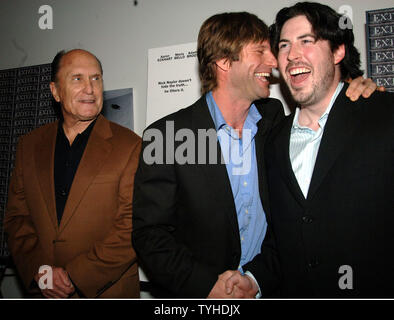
x: 120, y: 33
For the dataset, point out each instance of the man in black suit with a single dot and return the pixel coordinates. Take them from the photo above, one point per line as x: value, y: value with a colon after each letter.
x: 330, y: 170
x: 187, y: 217
x: 196, y: 216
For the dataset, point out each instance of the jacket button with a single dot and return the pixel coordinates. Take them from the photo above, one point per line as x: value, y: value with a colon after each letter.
x: 307, y: 219
x: 313, y: 263
x: 58, y: 240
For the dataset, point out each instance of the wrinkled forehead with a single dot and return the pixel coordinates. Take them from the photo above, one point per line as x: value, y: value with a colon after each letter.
x: 79, y: 60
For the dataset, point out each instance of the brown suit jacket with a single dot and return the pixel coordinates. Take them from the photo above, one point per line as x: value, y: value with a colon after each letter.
x: 93, y: 240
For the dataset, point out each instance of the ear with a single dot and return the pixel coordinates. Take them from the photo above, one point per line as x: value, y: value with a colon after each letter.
x: 339, y: 54
x: 52, y: 86
x: 224, y: 64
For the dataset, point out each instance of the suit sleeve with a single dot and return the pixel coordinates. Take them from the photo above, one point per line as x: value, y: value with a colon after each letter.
x: 110, y: 258
x: 23, y: 241
x: 265, y: 266
x: 167, y: 262
x: 277, y: 111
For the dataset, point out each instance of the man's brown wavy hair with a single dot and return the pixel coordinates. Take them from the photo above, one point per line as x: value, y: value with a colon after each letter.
x: 223, y: 36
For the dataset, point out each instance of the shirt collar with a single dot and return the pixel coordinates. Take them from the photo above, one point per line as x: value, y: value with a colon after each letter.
x: 324, y: 116
x: 84, y: 134
x: 253, y: 117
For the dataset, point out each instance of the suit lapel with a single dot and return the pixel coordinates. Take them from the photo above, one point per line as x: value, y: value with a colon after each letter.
x: 282, y: 144
x: 96, y: 154
x: 263, y: 127
x: 261, y: 135
x: 337, y: 131
x: 215, y: 174
x: 44, y: 161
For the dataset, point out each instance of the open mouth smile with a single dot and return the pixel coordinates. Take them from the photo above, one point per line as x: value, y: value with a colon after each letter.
x: 299, y: 74
x: 262, y: 75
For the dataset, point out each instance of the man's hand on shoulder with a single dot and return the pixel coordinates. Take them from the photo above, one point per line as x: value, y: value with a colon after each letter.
x: 362, y: 87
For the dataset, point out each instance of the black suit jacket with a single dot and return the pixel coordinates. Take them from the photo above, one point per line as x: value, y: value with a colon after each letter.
x: 185, y: 228
x: 347, y: 217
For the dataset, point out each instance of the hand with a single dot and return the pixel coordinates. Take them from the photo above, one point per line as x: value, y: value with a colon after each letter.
x: 61, y: 284
x: 219, y: 289
x: 360, y: 86
x: 241, y: 286
x: 231, y: 284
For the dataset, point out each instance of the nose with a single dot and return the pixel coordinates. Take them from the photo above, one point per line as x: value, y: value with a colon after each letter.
x: 271, y: 60
x: 88, y: 86
x: 294, y: 53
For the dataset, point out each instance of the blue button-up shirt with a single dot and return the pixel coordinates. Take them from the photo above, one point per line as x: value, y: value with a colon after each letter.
x: 241, y: 164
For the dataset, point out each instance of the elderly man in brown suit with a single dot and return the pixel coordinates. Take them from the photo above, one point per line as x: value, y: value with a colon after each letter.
x: 70, y: 196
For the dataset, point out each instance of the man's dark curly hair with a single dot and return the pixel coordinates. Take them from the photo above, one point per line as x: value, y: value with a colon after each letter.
x: 326, y: 26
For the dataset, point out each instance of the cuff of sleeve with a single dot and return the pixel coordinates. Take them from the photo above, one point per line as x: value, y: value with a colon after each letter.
x: 77, y: 290
x: 250, y: 275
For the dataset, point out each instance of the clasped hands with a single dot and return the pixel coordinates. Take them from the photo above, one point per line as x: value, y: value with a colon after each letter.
x: 60, y: 283
x: 232, y: 284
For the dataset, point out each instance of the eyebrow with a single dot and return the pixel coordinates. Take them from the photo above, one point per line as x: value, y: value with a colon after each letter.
x: 261, y: 46
x: 306, y: 35
x: 257, y: 45
x: 80, y: 75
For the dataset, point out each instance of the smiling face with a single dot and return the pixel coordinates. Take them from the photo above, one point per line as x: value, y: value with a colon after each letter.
x: 79, y: 86
x: 249, y: 75
x: 308, y: 66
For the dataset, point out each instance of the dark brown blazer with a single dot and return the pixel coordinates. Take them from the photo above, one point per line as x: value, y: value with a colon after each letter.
x: 93, y: 240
